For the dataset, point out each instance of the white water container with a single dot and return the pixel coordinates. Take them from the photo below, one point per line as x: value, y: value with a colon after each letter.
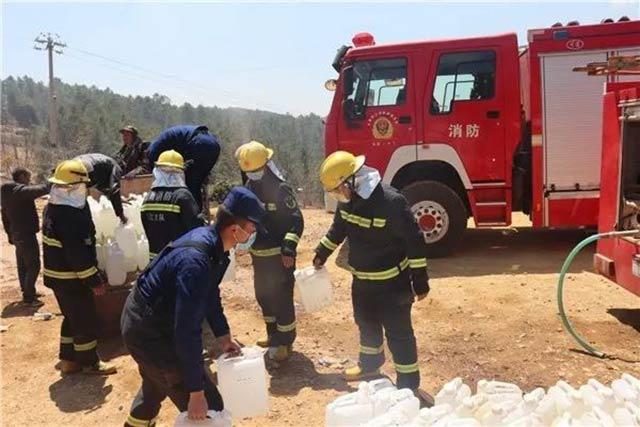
x: 115, y: 268
x: 314, y: 288
x: 214, y: 419
x: 463, y: 422
x: 624, y: 391
x: 125, y: 236
x: 108, y: 218
x: 243, y: 383
x: 597, y: 417
x: 624, y: 417
x: 470, y: 405
x: 405, y: 402
x: 432, y: 416
x: 392, y: 418
x: 142, y: 256
x: 101, y: 256
x: 352, y: 409
x: 230, y: 274
x: 453, y: 393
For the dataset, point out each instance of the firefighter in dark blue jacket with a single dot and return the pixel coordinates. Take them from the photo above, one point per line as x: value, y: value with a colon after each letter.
x: 199, y: 148
x: 162, y: 318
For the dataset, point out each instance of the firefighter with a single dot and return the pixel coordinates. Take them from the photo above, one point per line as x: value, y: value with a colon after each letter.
x: 387, y: 261
x: 70, y: 268
x: 274, y: 251
x: 20, y: 221
x: 169, y: 209
x: 132, y: 156
x: 104, y: 175
x: 162, y: 319
x: 200, y: 150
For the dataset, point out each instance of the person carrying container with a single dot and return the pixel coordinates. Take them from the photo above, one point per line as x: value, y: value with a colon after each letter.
x: 200, y: 150
x: 169, y: 209
x: 162, y: 318
x: 70, y: 268
x: 104, y: 175
x: 387, y: 261
x: 274, y: 251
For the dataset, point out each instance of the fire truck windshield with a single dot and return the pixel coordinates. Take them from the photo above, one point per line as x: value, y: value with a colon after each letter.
x: 380, y: 82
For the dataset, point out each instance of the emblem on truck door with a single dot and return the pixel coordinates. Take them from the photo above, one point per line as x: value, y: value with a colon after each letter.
x: 382, y: 125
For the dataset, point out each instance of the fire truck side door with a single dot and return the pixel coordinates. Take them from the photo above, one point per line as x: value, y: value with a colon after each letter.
x: 382, y: 105
x: 465, y: 110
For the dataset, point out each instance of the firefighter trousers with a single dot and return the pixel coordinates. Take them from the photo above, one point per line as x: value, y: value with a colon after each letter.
x: 386, y: 307
x: 274, y: 292
x: 78, y: 341
x: 150, y: 345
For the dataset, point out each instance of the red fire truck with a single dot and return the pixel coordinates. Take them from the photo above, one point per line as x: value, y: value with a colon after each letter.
x: 479, y: 127
x: 618, y: 258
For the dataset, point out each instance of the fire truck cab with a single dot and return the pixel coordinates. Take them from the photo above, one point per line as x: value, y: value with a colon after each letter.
x: 479, y: 127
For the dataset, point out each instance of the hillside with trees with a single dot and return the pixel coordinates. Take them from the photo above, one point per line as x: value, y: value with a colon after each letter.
x: 89, y: 119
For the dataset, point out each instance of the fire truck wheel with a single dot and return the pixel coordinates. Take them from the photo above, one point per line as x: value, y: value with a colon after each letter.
x: 440, y: 213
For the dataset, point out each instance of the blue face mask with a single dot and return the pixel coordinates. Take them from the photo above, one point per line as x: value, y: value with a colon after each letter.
x: 246, y: 245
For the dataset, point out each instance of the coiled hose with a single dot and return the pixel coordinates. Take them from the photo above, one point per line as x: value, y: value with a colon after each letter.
x: 565, y: 267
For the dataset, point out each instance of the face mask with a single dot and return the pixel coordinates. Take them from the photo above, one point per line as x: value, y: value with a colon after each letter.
x: 255, y: 175
x: 248, y: 243
x: 74, y: 196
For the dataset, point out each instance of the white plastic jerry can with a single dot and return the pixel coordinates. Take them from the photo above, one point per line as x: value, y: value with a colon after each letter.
x: 125, y: 236
x: 142, y: 256
x: 214, y: 419
x: 353, y: 409
x: 116, y: 272
x: 243, y: 383
x: 314, y: 288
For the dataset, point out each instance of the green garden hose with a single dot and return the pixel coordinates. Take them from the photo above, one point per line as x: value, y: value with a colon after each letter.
x: 565, y: 267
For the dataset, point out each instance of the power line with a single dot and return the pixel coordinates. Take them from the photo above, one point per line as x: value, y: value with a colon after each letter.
x: 211, y: 90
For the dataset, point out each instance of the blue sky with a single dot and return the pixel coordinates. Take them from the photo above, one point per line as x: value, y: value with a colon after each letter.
x: 269, y: 56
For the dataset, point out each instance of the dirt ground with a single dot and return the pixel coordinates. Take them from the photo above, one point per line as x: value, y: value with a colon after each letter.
x: 491, y: 314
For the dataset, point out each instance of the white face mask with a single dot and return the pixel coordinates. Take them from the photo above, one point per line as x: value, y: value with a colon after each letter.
x: 69, y: 195
x: 255, y: 175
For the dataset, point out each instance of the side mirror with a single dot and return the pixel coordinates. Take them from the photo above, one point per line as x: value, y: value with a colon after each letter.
x: 347, y: 81
x: 331, y: 85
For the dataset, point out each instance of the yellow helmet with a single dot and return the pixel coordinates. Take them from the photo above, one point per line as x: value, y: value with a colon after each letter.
x: 253, y: 156
x: 70, y: 172
x: 338, y: 167
x: 171, y: 158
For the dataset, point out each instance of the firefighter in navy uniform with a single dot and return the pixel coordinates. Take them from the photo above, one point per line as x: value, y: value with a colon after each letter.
x: 70, y: 268
x: 387, y: 261
x: 274, y: 251
x: 162, y: 319
x: 169, y: 209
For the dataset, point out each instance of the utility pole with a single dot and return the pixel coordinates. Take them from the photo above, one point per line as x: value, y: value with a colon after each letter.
x: 51, y: 43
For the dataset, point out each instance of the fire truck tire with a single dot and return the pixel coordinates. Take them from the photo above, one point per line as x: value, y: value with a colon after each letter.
x: 440, y: 213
